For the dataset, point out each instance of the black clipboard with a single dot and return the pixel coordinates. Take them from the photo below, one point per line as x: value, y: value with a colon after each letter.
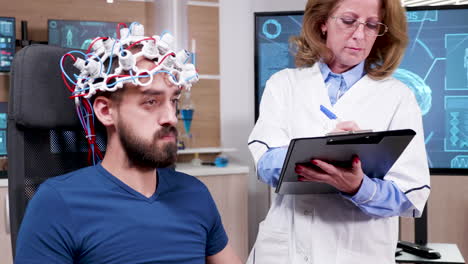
x: 378, y: 151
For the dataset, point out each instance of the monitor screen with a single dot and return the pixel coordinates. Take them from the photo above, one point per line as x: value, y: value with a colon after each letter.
x: 435, y: 67
x: 7, y: 42
x: 3, y: 122
x: 78, y: 34
x: 3, y: 140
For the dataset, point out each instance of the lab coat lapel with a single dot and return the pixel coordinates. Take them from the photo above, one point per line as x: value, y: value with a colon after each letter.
x: 358, y: 94
x: 313, y: 89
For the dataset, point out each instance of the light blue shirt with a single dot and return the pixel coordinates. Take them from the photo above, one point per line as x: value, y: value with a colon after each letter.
x: 375, y: 197
x: 339, y: 84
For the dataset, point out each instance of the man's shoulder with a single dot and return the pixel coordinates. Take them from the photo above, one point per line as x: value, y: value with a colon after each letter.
x: 56, y: 191
x: 75, y: 178
x: 185, y: 180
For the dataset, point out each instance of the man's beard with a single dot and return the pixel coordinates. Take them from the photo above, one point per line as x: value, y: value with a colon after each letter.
x: 149, y: 155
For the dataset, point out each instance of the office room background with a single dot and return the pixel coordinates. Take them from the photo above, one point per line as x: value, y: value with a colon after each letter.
x: 221, y: 33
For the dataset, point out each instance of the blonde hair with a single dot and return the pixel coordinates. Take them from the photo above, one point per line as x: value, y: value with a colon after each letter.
x: 386, y: 54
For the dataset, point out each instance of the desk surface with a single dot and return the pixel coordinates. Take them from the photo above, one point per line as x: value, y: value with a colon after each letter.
x: 197, y: 171
x: 450, y: 254
x: 211, y: 170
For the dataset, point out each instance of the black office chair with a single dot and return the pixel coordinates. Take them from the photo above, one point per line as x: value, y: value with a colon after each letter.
x: 45, y: 138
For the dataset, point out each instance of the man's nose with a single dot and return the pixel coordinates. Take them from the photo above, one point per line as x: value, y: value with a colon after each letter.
x: 168, y: 115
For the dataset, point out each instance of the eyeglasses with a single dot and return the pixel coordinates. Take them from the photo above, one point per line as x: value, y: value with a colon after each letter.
x: 350, y: 24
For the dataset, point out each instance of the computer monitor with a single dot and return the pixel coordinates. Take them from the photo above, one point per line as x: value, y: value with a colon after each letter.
x: 435, y: 67
x: 3, y: 140
x: 78, y: 34
x: 7, y: 42
x: 273, y: 51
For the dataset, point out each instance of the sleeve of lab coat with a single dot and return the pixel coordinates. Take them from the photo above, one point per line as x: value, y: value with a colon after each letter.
x: 411, y: 172
x: 271, y: 129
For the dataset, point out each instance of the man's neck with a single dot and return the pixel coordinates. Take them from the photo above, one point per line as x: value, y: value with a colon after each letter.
x: 142, y: 180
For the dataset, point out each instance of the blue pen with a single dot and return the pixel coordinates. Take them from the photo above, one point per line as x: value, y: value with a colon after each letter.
x: 328, y: 113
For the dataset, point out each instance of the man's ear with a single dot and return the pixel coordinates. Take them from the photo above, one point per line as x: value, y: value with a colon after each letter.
x: 103, y: 109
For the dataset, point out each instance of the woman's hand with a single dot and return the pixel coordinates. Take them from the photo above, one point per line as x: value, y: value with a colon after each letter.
x: 346, y: 126
x: 347, y: 180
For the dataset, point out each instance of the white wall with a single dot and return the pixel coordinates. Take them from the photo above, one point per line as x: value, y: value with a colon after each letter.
x: 237, y: 97
x: 237, y: 89
x: 278, y: 5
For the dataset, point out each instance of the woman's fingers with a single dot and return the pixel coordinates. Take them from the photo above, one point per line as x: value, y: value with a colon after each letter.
x: 310, y: 174
x: 347, y: 126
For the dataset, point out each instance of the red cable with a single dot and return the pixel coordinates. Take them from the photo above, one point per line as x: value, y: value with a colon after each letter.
x: 90, y: 137
x: 118, y: 29
x: 110, y: 77
x: 76, y: 95
x: 99, y: 153
x: 131, y: 46
x: 63, y: 74
x: 120, y: 75
x: 162, y: 60
x: 65, y: 81
x: 68, y: 55
x: 92, y: 43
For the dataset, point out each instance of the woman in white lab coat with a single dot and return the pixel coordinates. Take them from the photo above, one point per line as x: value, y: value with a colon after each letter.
x: 347, y: 52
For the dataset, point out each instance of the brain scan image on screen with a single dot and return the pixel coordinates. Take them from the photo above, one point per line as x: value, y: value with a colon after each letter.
x: 434, y: 67
x: 420, y: 89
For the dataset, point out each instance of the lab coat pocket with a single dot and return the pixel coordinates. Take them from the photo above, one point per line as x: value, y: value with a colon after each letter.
x: 271, y: 247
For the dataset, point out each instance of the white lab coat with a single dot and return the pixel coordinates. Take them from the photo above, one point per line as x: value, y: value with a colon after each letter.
x: 327, y: 228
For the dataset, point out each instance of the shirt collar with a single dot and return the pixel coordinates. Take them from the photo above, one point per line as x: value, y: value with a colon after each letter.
x: 351, y: 76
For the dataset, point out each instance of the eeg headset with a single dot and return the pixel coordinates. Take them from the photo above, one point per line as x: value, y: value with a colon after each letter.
x: 95, y: 77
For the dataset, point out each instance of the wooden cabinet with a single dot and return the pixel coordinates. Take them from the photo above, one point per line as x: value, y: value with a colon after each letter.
x: 230, y: 194
x: 228, y: 187
x: 5, y: 242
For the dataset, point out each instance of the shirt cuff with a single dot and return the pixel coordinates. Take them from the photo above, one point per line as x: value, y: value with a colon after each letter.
x: 270, y: 165
x: 365, y: 193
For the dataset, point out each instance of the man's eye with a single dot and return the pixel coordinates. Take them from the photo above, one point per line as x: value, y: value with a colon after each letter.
x: 175, y: 100
x: 150, y: 102
x: 348, y: 21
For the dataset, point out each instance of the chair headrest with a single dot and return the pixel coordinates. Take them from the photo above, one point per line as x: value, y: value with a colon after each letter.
x: 38, y: 97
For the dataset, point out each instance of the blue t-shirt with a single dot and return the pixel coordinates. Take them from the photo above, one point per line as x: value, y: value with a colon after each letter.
x: 90, y: 216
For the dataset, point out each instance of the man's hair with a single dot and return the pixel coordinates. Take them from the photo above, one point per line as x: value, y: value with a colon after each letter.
x: 386, y: 54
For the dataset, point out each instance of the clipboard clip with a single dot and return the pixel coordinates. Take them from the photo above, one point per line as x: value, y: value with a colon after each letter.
x: 348, y: 132
x: 355, y: 139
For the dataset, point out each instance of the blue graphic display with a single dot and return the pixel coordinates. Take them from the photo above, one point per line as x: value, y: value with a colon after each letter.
x: 3, y: 130
x: 274, y: 52
x: 7, y: 42
x: 435, y: 68
x: 78, y: 34
x: 438, y: 39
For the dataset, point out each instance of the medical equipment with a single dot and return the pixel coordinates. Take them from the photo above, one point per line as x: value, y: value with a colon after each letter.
x: 99, y: 74
x: 187, y: 109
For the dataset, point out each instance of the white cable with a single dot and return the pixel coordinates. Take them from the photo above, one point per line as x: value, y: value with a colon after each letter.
x: 93, y: 75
